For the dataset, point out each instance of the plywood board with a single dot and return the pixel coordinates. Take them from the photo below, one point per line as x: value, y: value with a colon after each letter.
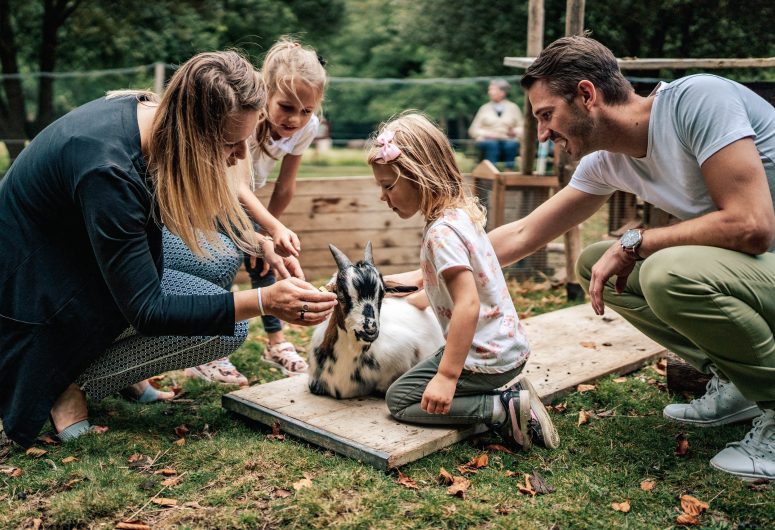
x: 569, y: 346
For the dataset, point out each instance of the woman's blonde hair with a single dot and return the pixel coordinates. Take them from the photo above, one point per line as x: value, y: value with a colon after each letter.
x: 195, y: 194
x: 427, y: 159
x: 286, y: 64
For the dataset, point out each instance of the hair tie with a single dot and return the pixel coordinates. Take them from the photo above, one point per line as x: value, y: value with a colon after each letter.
x: 388, y: 150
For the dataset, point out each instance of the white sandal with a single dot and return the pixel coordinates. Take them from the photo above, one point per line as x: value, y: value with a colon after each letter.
x: 283, y: 355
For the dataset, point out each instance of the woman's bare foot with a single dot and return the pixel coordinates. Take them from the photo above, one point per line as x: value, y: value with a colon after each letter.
x: 69, y: 408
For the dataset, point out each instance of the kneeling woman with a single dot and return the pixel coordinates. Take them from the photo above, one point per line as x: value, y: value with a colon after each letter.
x: 86, y: 303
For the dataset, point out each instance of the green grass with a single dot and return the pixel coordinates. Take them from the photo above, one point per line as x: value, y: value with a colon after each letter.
x: 237, y: 477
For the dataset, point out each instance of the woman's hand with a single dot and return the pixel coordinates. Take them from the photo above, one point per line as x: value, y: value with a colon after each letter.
x: 437, y: 398
x: 297, y: 302
x: 286, y: 242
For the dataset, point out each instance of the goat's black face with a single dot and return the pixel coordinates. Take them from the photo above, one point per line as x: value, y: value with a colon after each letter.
x: 360, y: 289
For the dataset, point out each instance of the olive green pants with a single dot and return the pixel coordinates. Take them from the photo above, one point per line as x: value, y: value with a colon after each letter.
x: 706, y: 304
x: 473, y: 401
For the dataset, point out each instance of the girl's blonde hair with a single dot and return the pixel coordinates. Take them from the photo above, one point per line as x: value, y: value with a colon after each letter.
x: 194, y: 192
x: 286, y: 64
x: 427, y: 159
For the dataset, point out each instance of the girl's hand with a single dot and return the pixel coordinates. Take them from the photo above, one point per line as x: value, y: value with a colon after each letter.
x: 413, y: 278
x: 286, y: 242
x: 272, y: 260
x: 293, y: 266
x: 438, y: 395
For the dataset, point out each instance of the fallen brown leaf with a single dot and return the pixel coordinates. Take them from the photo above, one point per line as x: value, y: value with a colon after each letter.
x: 407, y: 482
x: 459, y: 487
x: 180, y: 441
x: 510, y: 473
x: 585, y: 388
x: 445, y: 477
x: 623, y: 507
x: 69, y: 460
x: 133, y: 525
x: 588, y: 344
x: 661, y: 367
x: 276, y: 433
x: 162, y: 501
x: 583, y: 417
x: 620, y: 380
x: 167, y: 472
x: 193, y: 505
x: 648, y: 484
x: 539, y: 484
x: 35, y: 452
x: 11, y: 471
x: 70, y: 483
x: 303, y: 483
x: 498, y: 447
x: 527, y: 488
x: 687, y: 520
x: 172, y: 481
x: 281, y: 493
x: 48, y: 440
x: 181, y: 430
x: 559, y: 409
x: 474, y: 464
x: 682, y: 444
x: 693, y: 505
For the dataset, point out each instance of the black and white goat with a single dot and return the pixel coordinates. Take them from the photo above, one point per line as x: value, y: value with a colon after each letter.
x: 367, y: 343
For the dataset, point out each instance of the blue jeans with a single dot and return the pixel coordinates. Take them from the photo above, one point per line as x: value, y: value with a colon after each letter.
x: 499, y: 150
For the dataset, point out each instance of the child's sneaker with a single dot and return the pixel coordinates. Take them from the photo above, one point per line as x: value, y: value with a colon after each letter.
x: 283, y: 355
x: 515, y: 429
x: 218, y: 371
x: 541, y: 428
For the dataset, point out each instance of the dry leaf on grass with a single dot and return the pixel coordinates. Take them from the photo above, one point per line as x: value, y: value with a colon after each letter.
x: 132, y: 525
x: 181, y: 430
x: 306, y: 482
x: 445, y: 477
x: 407, y: 482
x: 583, y: 417
x: 11, y: 471
x: 527, y: 487
x: 172, y: 481
x: 180, y: 442
x: 648, y: 484
x: 193, y: 505
x: 660, y: 367
x: 682, y: 444
x: 585, y: 388
x: 35, y: 452
x: 459, y: 487
x: 498, y: 447
x: 69, y: 460
x: 162, y: 501
x: 539, y: 484
x: 70, y: 483
x: 687, y: 520
x: 281, y: 493
x: 510, y: 473
x: 276, y: 433
x: 620, y: 380
x: 167, y: 472
x: 559, y: 409
x: 623, y: 507
x: 693, y: 505
x: 48, y: 440
x: 473, y: 465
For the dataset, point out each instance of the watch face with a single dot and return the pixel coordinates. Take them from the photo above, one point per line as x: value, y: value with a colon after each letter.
x: 631, y: 238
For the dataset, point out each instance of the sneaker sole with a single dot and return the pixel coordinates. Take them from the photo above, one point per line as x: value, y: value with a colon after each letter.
x: 738, y: 417
x: 747, y: 477
x: 520, y: 426
x: 549, y: 431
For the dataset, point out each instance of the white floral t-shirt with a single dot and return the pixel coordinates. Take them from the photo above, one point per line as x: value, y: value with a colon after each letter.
x: 453, y: 240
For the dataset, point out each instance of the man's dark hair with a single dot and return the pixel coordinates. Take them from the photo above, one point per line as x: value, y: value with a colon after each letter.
x: 569, y: 60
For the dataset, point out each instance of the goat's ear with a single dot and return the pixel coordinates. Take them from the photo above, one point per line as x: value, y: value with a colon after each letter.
x: 342, y: 261
x: 368, y: 256
x: 392, y: 287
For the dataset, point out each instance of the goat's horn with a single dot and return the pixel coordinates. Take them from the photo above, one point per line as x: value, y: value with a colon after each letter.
x: 342, y: 261
x: 368, y: 256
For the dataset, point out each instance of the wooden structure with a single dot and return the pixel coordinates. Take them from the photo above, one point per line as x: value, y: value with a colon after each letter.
x: 347, y: 212
x: 509, y: 196
x: 362, y: 428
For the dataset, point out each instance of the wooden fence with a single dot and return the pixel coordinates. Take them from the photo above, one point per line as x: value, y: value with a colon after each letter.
x: 347, y: 212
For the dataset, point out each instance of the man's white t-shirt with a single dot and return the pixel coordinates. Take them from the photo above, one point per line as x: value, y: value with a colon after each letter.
x: 264, y: 163
x: 691, y: 119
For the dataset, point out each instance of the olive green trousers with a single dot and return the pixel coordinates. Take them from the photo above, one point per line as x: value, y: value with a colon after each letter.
x: 705, y: 304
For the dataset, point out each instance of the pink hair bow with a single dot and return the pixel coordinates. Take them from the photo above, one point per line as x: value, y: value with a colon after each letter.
x: 389, y: 150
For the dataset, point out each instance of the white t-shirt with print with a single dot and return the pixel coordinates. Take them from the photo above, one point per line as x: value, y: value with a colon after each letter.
x: 453, y: 240
x: 264, y: 163
x: 691, y: 119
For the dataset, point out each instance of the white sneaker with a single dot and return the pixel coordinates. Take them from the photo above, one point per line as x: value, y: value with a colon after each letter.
x: 754, y: 456
x: 722, y: 404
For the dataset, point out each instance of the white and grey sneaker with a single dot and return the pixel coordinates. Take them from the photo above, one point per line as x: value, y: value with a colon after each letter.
x: 722, y: 404
x: 753, y: 457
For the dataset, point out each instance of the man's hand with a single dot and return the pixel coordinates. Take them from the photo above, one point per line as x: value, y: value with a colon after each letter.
x: 438, y: 395
x: 615, y: 262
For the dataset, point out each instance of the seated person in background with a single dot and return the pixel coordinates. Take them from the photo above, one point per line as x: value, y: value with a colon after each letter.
x: 497, y: 125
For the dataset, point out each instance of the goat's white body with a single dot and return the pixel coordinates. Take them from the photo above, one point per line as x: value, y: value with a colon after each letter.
x: 406, y: 336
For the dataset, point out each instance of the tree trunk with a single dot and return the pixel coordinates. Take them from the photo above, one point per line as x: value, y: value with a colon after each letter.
x: 12, y: 119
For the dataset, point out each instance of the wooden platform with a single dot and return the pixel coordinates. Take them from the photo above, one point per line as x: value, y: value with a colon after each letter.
x: 569, y: 346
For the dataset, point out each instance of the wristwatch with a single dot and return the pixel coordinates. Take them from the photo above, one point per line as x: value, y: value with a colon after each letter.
x: 631, y: 241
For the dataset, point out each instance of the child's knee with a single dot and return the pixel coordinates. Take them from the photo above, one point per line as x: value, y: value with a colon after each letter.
x: 396, y: 400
